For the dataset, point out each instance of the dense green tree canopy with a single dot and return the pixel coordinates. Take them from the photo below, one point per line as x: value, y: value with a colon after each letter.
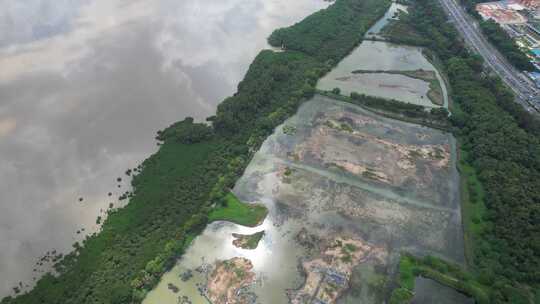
x: 503, y: 144
x: 506, y: 45
x: 331, y: 33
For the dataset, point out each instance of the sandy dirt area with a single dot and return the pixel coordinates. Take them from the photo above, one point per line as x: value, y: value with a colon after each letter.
x: 328, y: 274
x: 226, y: 280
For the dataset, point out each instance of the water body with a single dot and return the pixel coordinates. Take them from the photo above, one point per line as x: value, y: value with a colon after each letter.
x: 383, y: 56
x: 428, y: 291
x: 391, y: 86
x: 276, y: 248
x: 391, y: 14
x: 84, y: 86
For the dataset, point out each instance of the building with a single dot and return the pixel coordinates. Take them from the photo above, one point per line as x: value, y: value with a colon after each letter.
x: 535, y: 76
x: 528, y: 4
x: 502, y: 12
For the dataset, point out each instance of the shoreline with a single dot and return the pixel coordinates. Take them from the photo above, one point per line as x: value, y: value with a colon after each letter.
x: 194, y: 165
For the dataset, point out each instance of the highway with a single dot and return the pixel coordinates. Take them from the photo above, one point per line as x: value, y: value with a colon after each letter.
x: 527, y: 94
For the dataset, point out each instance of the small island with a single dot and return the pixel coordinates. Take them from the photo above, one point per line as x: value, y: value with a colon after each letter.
x: 247, y: 241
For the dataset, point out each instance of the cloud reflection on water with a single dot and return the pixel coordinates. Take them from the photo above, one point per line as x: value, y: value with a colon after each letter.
x: 84, y: 86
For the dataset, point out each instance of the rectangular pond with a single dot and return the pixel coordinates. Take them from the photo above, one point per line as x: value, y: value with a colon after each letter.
x: 387, y: 70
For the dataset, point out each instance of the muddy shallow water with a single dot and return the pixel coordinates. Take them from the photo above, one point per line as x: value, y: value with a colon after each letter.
x: 391, y: 14
x: 424, y: 293
x: 383, y: 56
x: 336, y: 171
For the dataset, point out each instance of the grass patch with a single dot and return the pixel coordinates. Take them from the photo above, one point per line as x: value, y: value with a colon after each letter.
x: 289, y: 130
x: 288, y: 171
x: 253, y: 240
x: 350, y: 247
x: 393, y: 109
x: 346, y: 258
x: 401, y: 295
x: 397, y: 31
x: 239, y: 213
x: 340, y: 127
x: 435, y: 93
x: 369, y: 174
x: 473, y: 208
x: 250, y: 241
x: 406, y: 273
x: 441, y: 271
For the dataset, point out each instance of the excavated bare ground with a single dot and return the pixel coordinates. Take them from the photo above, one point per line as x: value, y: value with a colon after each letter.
x: 386, y: 185
x: 328, y: 273
x: 227, y: 279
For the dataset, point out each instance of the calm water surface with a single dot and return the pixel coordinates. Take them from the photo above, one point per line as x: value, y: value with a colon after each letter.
x: 428, y: 291
x: 378, y: 56
x: 84, y: 86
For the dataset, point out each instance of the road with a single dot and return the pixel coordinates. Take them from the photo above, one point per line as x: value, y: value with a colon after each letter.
x: 526, y: 92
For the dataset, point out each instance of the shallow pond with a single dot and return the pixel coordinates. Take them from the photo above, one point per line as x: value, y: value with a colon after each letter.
x: 275, y: 249
x: 428, y: 291
x: 377, y: 57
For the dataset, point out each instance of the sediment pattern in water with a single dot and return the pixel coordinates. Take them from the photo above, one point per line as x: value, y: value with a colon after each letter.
x: 347, y: 191
x: 377, y: 57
